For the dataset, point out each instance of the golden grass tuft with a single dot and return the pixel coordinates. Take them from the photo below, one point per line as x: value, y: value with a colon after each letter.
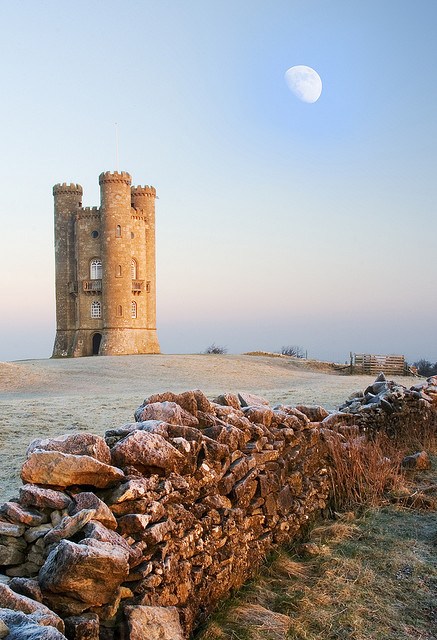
x: 263, y: 623
x: 335, y: 532
x: 285, y: 566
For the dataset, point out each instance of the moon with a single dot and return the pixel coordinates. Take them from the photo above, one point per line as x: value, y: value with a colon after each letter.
x: 304, y: 82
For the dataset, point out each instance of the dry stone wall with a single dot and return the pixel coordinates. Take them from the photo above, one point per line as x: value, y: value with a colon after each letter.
x: 141, y: 533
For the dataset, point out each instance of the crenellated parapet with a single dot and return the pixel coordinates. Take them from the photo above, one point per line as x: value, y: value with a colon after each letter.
x: 146, y: 191
x: 115, y: 176
x: 64, y: 188
x: 88, y: 212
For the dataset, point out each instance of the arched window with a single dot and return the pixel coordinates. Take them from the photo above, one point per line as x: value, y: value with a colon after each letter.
x: 134, y: 309
x: 133, y: 268
x: 95, y: 309
x: 118, y: 271
x: 118, y: 231
x: 119, y: 310
x: 96, y: 270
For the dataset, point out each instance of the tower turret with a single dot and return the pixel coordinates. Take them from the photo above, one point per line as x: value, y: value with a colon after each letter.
x: 143, y: 201
x: 68, y: 200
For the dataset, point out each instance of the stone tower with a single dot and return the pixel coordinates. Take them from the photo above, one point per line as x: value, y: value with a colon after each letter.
x: 105, y: 269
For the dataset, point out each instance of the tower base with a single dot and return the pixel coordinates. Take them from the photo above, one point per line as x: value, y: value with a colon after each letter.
x: 105, y: 342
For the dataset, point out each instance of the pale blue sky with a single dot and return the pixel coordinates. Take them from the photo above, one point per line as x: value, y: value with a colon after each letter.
x: 279, y: 222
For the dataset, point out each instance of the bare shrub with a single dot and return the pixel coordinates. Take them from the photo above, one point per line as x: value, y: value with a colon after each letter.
x: 293, y: 350
x: 425, y: 368
x: 214, y: 348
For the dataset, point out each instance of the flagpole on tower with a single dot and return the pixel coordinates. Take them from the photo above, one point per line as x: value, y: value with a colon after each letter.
x: 116, y: 143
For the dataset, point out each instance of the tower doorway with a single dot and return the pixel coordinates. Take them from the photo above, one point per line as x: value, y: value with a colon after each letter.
x: 97, y: 338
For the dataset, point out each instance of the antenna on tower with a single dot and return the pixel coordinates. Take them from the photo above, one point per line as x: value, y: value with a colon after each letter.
x: 116, y: 143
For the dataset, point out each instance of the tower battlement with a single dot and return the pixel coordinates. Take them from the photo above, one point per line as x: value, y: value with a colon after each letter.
x: 105, y: 269
x: 143, y: 191
x: 89, y: 210
x: 115, y: 176
x: 72, y: 189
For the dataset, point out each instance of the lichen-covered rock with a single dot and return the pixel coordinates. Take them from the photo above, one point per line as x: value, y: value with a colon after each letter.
x: 15, y: 601
x: 249, y: 399
x: 69, y: 526
x: 80, y: 444
x: 26, y: 587
x: 96, y: 531
x: 27, y: 627
x: 54, y: 468
x: 133, y: 489
x: 417, y: 462
x: 88, y: 500
x: 34, y: 496
x: 82, y: 627
x: 10, y: 528
x: 147, y: 450
x: 11, y: 550
x: 22, y: 515
x: 153, y: 623
x: 167, y: 412
x: 91, y: 574
x: 313, y: 412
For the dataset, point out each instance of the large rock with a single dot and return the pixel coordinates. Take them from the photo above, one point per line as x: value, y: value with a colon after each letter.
x: 248, y: 400
x: 11, y: 600
x: 102, y: 513
x: 96, y: 531
x: 147, y: 450
x: 166, y: 411
x: 11, y: 550
x: 79, y: 444
x: 23, y: 515
x: 69, y: 526
x: 417, y: 462
x: 26, y: 587
x: 89, y: 573
x: 11, y: 528
x: 132, y: 490
x: 63, y: 470
x: 34, y: 496
x: 27, y: 627
x: 313, y: 412
x: 153, y: 623
x: 83, y: 627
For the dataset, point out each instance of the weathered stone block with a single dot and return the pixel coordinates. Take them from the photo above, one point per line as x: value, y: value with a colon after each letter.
x: 61, y: 469
x: 153, y: 623
x: 80, y: 444
x: 90, y: 573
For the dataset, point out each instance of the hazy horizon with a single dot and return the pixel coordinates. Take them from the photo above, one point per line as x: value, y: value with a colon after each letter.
x: 278, y: 222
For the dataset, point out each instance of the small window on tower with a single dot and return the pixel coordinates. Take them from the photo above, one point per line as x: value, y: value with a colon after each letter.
x: 148, y: 286
x: 134, y: 309
x: 119, y: 311
x: 133, y: 268
x: 95, y: 309
x: 118, y: 271
x: 118, y: 231
x: 94, y: 234
x: 96, y: 270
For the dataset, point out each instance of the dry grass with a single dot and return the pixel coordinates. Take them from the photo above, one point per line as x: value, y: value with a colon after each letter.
x: 364, y: 472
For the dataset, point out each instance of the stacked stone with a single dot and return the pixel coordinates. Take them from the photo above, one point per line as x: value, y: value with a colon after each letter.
x: 173, y: 510
x: 387, y: 406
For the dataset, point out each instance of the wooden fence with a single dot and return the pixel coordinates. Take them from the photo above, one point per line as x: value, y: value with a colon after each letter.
x: 373, y: 364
